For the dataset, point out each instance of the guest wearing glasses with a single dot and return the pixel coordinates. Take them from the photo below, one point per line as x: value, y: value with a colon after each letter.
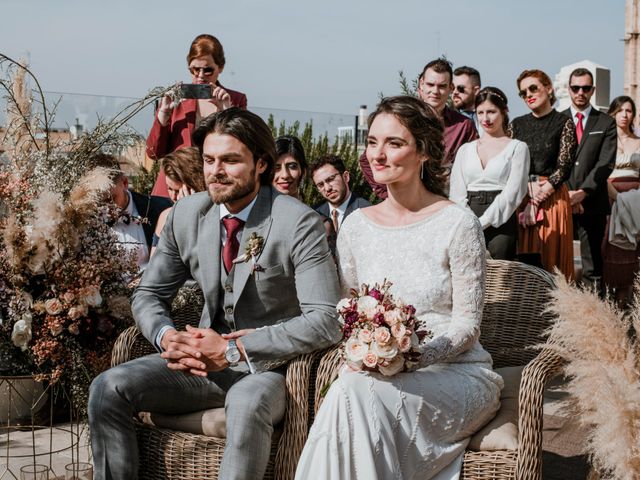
x: 331, y: 178
x: 546, y: 233
x: 466, y: 85
x: 490, y: 175
x: 595, y: 156
x: 174, y: 124
x: 435, y: 87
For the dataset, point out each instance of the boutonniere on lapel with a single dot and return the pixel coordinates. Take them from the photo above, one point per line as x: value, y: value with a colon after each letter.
x: 252, y: 250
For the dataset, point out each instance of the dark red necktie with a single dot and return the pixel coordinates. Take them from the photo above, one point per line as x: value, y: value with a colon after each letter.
x: 579, y: 127
x: 230, y: 250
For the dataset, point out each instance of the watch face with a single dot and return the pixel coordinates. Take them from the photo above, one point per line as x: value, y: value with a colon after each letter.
x: 233, y: 355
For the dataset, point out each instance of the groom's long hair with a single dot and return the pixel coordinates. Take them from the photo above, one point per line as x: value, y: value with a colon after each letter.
x: 247, y: 127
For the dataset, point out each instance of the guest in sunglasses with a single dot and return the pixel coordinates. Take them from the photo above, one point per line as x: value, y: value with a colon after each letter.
x: 546, y: 233
x: 595, y: 156
x: 490, y: 175
x: 174, y: 124
x: 466, y: 85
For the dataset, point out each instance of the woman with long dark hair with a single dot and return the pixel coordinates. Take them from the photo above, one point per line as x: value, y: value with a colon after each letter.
x: 490, y: 175
x: 412, y: 424
x: 620, y: 265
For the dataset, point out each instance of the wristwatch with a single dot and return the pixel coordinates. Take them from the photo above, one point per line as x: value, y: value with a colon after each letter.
x: 232, y: 353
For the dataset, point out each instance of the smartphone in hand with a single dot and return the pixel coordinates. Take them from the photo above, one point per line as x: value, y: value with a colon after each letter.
x: 195, y: 90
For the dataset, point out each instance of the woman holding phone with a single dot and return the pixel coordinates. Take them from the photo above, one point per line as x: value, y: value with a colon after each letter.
x: 173, y: 124
x: 546, y: 225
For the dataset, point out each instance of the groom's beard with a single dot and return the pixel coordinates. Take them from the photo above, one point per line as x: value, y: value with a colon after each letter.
x: 224, y: 189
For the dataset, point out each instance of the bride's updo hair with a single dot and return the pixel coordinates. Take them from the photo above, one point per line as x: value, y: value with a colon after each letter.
x: 427, y: 130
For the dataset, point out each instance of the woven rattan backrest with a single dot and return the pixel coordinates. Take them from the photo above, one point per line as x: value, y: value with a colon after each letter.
x: 514, y: 319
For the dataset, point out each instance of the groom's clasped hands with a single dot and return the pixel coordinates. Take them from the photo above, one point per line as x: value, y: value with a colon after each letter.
x: 198, y: 351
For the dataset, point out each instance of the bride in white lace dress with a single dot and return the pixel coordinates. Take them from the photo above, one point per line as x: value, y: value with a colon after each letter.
x: 414, y: 425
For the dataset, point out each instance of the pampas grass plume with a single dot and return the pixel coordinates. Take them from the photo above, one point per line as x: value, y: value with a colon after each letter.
x: 602, y: 364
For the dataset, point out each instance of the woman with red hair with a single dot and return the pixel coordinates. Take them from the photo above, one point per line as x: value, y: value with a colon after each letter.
x: 174, y: 124
x: 546, y: 226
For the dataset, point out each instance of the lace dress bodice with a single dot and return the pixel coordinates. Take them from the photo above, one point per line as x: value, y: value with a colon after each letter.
x: 436, y: 264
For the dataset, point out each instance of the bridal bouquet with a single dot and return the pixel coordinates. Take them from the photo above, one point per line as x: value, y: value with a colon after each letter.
x: 380, y: 331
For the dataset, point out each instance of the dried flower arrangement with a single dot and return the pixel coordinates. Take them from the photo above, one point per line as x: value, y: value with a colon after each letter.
x: 64, y: 296
x: 600, y: 344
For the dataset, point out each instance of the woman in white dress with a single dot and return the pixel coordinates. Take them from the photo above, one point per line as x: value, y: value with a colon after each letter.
x: 490, y: 175
x: 414, y: 425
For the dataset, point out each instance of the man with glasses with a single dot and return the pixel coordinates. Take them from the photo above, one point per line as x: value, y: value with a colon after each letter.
x: 466, y: 85
x: 331, y: 178
x: 435, y: 85
x: 595, y: 157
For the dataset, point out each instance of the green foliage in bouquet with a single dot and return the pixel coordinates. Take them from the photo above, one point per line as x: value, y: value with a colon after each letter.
x: 315, y: 148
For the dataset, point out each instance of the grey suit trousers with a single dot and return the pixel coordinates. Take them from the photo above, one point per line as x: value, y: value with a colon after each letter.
x: 253, y: 405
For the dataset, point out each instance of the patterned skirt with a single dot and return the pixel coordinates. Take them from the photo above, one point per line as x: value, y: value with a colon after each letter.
x: 552, y: 237
x: 619, y: 266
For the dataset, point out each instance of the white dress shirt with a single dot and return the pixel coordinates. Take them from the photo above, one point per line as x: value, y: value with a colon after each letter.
x: 508, y: 171
x: 341, y: 209
x: 132, y: 236
x: 584, y: 112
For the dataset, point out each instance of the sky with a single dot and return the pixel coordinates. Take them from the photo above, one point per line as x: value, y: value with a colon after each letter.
x: 326, y: 56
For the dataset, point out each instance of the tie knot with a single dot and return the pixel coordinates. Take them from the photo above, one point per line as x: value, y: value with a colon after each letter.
x: 232, y: 225
x: 579, y: 115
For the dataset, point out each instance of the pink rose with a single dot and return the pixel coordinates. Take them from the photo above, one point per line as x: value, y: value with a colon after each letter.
x: 370, y: 360
x: 78, y: 311
x: 365, y: 335
x: 392, y: 367
x: 404, y: 344
x: 73, y: 328
x: 398, y: 330
x: 391, y: 317
x: 53, y: 306
x: 386, y: 351
x: 56, y: 329
x: 382, y: 335
x: 68, y: 297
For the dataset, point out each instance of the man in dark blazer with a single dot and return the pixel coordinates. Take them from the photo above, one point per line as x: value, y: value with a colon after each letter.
x: 270, y: 287
x: 595, y: 157
x: 138, y: 213
x: 331, y: 178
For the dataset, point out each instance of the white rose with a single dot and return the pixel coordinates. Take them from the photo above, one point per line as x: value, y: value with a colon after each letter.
x: 355, y: 350
x: 78, y: 311
x: 365, y: 335
x: 387, y: 351
x: 367, y: 304
x: 21, y: 334
x: 92, y: 296
x: 391, y: 317
x: 398, y: 330
x: 395, y: 366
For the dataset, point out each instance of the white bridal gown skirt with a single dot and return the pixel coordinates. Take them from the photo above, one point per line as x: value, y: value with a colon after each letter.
x: 410, y: 426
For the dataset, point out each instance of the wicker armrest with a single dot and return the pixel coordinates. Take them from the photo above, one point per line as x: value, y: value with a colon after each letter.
x: 534, y: 378
x: 130, y: 344
x: 327, y: 373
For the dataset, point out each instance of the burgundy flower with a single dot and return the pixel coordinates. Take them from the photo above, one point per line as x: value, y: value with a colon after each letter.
x: 375, y: 293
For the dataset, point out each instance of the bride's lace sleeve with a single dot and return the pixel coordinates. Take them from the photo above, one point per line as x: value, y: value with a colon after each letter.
x: 467, y: 267
x: 346, y: 263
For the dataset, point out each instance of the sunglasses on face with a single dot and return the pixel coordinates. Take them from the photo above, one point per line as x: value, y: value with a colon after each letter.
x: 584, y: 88
x: 205, y: 70
x: 459, y: 88
x: 530, y: 89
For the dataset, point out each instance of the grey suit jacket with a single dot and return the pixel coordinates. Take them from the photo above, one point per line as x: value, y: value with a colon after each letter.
x: 291, y: 301
x: 595, y: 159
x: 355, y: 203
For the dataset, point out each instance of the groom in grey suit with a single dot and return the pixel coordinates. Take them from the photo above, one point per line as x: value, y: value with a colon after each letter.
x: 270, y: 290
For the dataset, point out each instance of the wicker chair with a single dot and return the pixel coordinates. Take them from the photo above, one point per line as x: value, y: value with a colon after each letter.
x: 175, y: 455
x: 514, y: 321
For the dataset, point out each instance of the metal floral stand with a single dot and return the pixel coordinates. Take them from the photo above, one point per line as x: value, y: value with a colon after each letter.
x: 28, y: 434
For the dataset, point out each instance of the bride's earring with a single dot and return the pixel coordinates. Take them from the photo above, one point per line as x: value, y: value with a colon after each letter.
x: 422, y: 169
